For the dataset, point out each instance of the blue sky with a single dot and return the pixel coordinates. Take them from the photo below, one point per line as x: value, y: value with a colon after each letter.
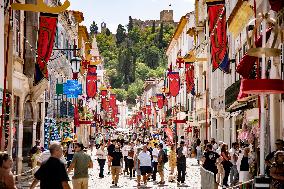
x: 114, y: 12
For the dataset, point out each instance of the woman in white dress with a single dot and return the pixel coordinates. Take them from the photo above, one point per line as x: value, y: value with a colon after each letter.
x: 243, y: 164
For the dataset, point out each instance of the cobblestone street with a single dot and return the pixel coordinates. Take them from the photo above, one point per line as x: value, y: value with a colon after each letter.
x: 192, y: 178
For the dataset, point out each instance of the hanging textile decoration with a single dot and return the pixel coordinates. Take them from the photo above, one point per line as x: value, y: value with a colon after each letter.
x: 180, y: 62
x: 149, y: 109
x: 247, y: 62
x: 76, y: 116
x: 161, y: 99
x: 112, y: 101
x: 104, y: 100
x: 189, y: 76
x: 218, y: 38
x: 174, y: 83
x: 91, y: 84
x: 46, y: 35
x: 114, y: 111
x: 144, y: 110
x: 170, y: 134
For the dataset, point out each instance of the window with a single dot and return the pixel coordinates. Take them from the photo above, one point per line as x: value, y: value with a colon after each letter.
x: 17, y: 32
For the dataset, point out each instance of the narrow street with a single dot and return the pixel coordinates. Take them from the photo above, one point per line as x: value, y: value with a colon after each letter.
x: 192, y: 178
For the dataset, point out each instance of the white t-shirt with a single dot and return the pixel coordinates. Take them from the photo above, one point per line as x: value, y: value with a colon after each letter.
x: 70, y: 149
x: 155, y: 152
x: 125, y: 150
x: 46, y: 155
x: 145, y: 159
x: 101, y: 153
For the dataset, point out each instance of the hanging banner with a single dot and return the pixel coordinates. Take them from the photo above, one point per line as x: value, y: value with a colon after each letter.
x: 104, y: 100
x: 46, y: 35
x: 91, y: 85
x: 189, y: 76
x: 72, y: 88
x: 170, y: 134
x: 112, y: 101
x: 218, y: 37
x: 161, y: 99
x: 76, y: 116
x: 174, y: 83
x: 179, y: 62
x: 114, y: 111
x: 144, y: 110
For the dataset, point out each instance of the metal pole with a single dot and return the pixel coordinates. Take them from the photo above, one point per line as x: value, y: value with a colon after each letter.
x: 262, y: 96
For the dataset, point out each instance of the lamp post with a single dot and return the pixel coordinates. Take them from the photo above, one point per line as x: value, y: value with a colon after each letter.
x: 75, y: 65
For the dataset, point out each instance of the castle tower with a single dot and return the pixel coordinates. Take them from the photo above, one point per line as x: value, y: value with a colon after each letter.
x: 167, y: 16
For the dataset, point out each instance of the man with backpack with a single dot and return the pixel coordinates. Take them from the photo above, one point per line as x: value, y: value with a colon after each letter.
x: 162, y: 159
x: 181, y: 163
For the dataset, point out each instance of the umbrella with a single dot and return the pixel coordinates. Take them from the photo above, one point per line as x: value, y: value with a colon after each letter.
x: 68, y: 139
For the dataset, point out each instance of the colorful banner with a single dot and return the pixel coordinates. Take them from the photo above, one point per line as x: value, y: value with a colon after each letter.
x: 174, y: 83
x: 91, y: 84
x: 189, y: 76
x: 46, y: 35
x: 112, y: 101
x: 72, y: 88
x: 104, y: 100
x: 148, y: 109
x: 170, y: 134
x: 179, y: 62
x: 161, y: 99
x: 218, y: 37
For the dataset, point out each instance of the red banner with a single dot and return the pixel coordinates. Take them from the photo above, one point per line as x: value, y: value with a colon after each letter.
x: 104, y: 100
x: 161, y: 100
x: 170, y: 134
x: 112, y: 101
x: 46, y: 34
x: 76, y: 116
x: 189, y: 76
x: 174, y: 83
x: 218, y: 37
x: 180, y: 62
x: 91, y: 84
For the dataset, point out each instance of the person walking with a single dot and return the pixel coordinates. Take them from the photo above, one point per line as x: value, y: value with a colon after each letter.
x: 198, y: 152
x: 130, y: 161
x: 210, y: 158
x: 70, y: 152
x: 234, y: 174
x: 52, y: 173
x: 110, y: 150
x: 81, y: 162
x: 136, y: 166
x: 144, y: 162
x: 6, y: 176
x: 124, y: 151
x: 244, y: 164
x: 277, y: 171
x: 226, y: 163
x: 161, y: 163
x: 155, y: 154
x: 181, y: 163
x: 101, y: 159
x: 172, y: 163
x: 269, y: 159
x: 116, y: 164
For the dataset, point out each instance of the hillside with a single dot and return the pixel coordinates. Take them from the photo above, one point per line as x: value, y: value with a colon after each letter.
x: 132, y: 55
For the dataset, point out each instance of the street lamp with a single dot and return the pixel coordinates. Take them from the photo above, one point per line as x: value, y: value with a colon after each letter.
x: 75, y: 65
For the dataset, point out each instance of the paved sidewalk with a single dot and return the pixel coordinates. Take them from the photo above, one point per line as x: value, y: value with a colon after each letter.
x: 193, y: 179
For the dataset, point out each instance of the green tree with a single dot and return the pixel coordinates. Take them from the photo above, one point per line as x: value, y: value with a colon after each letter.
x: 94, y: 28
x: 153, y: 27
x: 152, y: 57
x: 108, y: 32
x: 135, y: 89
x: 120, y: 34
x: 121, y: 94
x: 130, y: 24
x: 161, y: 35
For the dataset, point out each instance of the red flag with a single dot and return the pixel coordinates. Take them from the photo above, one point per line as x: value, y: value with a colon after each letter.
x: 161, y: 100
x: 104, y: 100
x: 91, y: 79
x: 46, y: 35
x: 218, y: 37
x: 76, y: 116
x: 189, y: 76
x: 144, y: 110
x: 174, y: 83
x: 112, y: 100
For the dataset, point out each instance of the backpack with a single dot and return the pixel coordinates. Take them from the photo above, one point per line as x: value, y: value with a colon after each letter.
x: 165, y: 157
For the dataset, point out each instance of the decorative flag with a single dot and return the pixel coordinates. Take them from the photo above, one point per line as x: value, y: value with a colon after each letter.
x: 91, y: 84
x: 189, y: 76
x: 170, y: 134
x: 104, y: 100
x: 174, y: 83
x: 46, y: 34
x: 76, y: 116
x: 179, y: 62
x: 161, y: 99
x: 144, y: 110
x: 218, y: 37
x: 112, y: 101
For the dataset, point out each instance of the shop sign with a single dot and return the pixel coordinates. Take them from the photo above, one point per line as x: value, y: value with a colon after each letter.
x: 72, y: 88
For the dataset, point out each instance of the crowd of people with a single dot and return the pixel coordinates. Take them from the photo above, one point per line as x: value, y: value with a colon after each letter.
x: 239, y: 163
x: 144, y: 160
